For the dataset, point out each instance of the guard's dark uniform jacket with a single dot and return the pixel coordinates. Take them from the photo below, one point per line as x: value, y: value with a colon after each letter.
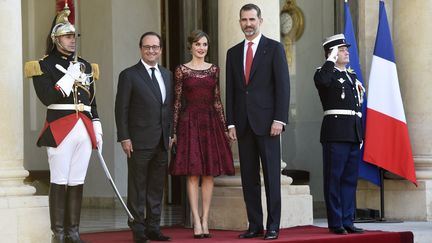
x: 338, y: 93
x: 60, y: 122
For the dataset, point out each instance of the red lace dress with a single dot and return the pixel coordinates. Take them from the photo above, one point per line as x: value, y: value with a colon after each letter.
x: 199, y: 123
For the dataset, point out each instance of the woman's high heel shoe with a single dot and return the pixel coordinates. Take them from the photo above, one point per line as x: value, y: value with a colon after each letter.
x: 206, y: 233
x: 198, y: 236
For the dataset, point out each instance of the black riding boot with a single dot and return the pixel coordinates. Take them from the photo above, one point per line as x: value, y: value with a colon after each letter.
x: 57, y: 195
x: 73, y: 213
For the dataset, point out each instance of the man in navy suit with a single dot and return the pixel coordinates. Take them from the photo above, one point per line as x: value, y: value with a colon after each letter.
x: 143, y: 112
x: 257, y: 102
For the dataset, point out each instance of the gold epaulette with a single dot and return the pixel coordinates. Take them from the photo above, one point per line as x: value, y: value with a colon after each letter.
x: 95, y: 70
x: 32, y: 68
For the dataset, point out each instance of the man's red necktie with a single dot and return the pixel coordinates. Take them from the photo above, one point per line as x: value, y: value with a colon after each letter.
x: 249, y: 58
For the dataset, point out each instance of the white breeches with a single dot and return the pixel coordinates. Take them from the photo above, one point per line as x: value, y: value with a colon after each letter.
x: 69, y: 161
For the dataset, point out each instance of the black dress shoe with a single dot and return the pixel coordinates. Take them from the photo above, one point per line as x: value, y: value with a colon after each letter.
x: 251, y: 234
x: 158, y: 236
x: 338, y: 231
x: 353, y: 229
x: 142, y: 241
x: 199, y: 236
x: 271, y: 235
x: 140, y: 238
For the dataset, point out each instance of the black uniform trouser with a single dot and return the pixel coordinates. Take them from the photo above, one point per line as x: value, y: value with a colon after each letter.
x: 252, y: 148
x: 147, y: 170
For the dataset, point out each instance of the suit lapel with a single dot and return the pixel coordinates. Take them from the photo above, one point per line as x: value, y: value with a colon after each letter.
x: 240, y: 61
x: 259, y: 56
x: 147, y: 81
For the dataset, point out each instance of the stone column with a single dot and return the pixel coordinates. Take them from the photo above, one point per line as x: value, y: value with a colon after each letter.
x: 24, y: 218
x: 413, y: 57
x: 228, y: 209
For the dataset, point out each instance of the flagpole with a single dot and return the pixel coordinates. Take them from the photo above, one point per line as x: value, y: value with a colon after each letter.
x: 382, y: 218
x: 382, y: 212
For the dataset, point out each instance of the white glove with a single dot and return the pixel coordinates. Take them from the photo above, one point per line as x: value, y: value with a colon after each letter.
x: 74, y: 70
x: 333, y: 54
x: 97, y: 127
x: 71, y: 74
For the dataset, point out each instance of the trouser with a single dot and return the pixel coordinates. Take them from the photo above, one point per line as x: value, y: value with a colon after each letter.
x: 252, y: 150
x: 68, y: 167
x: 340, y: 182
x: 147, y: 169
x: 68, y: 162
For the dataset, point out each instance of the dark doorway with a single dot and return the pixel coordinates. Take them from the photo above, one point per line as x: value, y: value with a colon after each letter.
x: 184, y: 16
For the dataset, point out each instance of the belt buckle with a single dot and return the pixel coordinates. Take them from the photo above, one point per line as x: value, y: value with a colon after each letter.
x: 80, y: 107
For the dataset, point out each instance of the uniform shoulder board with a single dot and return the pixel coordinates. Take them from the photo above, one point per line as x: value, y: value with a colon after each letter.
x: 95, y: 70
x: 318, y: 68
x: 32, y: 68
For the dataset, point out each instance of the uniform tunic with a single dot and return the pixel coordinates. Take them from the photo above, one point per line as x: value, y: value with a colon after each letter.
x: 60, y: 122
x: 332, y: 84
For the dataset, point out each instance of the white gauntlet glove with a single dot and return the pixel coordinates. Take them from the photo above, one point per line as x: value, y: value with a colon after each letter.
x: 333, y: 55
x: 72, y: 73
x: 97, y: 127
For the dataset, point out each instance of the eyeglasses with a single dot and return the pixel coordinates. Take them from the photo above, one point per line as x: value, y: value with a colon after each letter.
x: 148, y: 48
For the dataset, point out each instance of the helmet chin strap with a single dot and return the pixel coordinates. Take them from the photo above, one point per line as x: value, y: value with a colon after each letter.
x: 63, y: 49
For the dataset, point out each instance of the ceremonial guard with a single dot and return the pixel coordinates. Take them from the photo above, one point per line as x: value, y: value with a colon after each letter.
x: 341, y: 96
x: 64, y: 83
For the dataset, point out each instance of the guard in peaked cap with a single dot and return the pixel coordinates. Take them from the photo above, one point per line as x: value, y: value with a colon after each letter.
x: 334, y: 41
x: 341, y: 133
x: 72, y: 127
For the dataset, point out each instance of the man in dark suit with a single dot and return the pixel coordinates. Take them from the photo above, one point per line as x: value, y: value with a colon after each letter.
x: 143, y: 113
x: 257, y: 101
x: 341, y: 96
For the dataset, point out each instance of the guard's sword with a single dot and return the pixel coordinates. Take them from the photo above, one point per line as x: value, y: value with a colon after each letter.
x: 108, y: 174
x: 76, y: 30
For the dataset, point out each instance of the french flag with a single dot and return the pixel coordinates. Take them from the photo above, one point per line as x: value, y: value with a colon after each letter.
x: 387, y: 143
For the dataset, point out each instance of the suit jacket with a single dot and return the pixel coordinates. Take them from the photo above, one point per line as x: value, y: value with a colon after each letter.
x: 140, y: 114
x: 266, y: 97
x: 331, y: 83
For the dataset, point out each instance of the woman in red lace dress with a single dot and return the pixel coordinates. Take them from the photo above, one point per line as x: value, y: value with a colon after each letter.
x: 200, y: 132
